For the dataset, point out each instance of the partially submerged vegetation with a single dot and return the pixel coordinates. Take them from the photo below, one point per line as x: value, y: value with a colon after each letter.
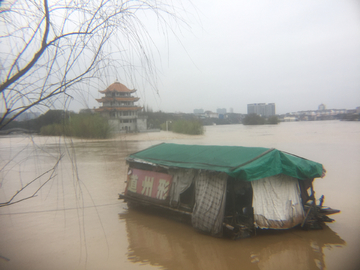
x: 350, y: 117
x: 90, y: 126
x: 179, y: 123
x: 191, y: 127
x: 254, y: 119
x: 65, y: 123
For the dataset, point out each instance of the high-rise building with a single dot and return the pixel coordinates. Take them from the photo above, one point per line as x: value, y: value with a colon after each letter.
x: 261, y: 109
x: 270, y: 109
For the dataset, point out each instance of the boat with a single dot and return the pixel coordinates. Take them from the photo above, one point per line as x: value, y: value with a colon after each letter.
x: 227, y: 190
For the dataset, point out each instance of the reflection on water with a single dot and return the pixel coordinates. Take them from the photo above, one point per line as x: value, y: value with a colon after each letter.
x: 160, y: 241
x: 74, y: 221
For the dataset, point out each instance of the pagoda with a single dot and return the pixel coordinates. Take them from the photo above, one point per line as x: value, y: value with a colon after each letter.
x: 118, y: 105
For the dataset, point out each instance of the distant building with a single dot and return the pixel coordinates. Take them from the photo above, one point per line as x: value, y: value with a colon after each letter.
x: 322, y: 107
x: 231, y: 110
x: 118, y: 106
x: 290, y: 119
x: 270, y: 109
x: 210, y: 114
x: 251, y: 108
x: 261, y: 109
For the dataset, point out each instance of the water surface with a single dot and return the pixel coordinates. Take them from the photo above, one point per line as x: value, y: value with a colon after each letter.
x: 77, y: 222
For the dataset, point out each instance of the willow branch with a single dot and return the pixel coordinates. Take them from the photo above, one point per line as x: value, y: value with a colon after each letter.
x: 13, y: 198
x: 37, y: 55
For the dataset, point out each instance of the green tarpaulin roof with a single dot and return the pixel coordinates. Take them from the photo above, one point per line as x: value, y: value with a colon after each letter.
x: 245, y: 163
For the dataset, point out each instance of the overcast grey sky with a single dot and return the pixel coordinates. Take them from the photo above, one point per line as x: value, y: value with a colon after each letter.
x: 297, y: 54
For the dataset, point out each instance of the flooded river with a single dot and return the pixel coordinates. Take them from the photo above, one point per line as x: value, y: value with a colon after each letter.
x: 76, y: 221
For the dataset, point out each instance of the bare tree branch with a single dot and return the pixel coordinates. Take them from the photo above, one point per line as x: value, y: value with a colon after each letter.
x: 48, y: 48
x: 36, y: 57
x: 13, y: 200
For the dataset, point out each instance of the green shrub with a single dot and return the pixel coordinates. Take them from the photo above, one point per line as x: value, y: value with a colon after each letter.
x: 52, y: 130
x: 253, y: 119
x: 90, y: 126
x: 192, y: 127
x: 272, y: 120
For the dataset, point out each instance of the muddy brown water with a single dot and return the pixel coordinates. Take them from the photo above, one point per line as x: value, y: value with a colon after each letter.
x: 77, y: 222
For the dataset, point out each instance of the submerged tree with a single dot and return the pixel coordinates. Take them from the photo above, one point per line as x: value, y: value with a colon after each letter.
x: 253, y: 119
x: 49, y: 47
x: 273, y: 120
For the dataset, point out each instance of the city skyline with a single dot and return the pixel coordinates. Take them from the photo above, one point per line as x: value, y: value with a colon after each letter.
x: 198, y: 110
x: 295, y: 54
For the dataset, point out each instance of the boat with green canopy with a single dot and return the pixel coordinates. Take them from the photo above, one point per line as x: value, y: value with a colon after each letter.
x: 227, y: 188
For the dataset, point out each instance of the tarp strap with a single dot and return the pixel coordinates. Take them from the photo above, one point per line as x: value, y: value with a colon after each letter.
x: 247, y: 162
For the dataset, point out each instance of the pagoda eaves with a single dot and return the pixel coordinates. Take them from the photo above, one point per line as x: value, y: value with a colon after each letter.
x: 118, y: 87
x: 109, y: 109
x: 109, y: 99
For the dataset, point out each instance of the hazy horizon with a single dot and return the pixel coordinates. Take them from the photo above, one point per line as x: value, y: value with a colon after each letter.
x: 297, y: 54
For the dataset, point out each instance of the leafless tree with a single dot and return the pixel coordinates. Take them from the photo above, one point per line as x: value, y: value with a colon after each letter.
x: 48, y: 47
x: 49, y: 174
x: 51, y: 48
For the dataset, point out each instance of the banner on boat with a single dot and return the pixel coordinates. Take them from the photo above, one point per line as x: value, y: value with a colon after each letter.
x: 147, y: 183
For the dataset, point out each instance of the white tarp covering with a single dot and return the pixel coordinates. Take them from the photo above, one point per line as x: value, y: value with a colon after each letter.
x: 181, y: 181
x: 277, y: 202
x: 210, y: 198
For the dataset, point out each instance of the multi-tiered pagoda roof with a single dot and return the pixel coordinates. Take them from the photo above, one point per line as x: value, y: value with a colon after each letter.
x: 118, y: 98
